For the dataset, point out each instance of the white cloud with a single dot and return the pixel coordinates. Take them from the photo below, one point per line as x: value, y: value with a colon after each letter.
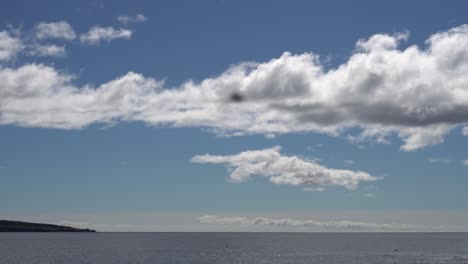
x: 125, y: 19
x: 439, y: 160
x: 465, y: 162
x: 465, y: 131
x: 47, y: 50
x: 417, y: 94
x: 13, y: 43
x: 99, y: 34
x: 36, y: 95
x: 58, y: 30
x: 349, y: 162
x: 9, y: 46
x: 312, y: 225
x: 289, y: 170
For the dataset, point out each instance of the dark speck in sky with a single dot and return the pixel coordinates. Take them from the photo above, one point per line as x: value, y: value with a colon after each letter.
x: 236, y: 97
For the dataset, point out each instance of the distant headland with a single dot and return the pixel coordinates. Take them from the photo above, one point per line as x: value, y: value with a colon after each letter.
x: 18, y: 226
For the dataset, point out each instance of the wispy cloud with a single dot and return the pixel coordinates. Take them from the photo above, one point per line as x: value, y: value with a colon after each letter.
x: 280, y: 169
x: 440, y: 160
x: 98, y: 34
x: 76, y: 224
x: 47, y: 50
x: 126, y: 19
x: 105, y: 227
x: 315, y: 147
x: 313, y: 189
x: 465, y: 162
x: 292, y: 93
x: 15, y: 42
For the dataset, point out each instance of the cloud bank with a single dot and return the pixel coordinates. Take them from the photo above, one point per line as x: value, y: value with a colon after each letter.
x: 417, y: 94
x: 318, y: 226
x: 289, y: 170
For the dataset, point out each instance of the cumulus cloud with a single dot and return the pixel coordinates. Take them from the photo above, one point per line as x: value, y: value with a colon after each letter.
x: 124, y: 19
x: 9, y: 46
x: 417, y: 94
x: 57, y: 30
x: 36, y: 95
x: 465, y: 131
x: 98, y: 34
x: 313, y: 225
x: 280, y: 169
x: 47, y: 50
x: 465, y: 162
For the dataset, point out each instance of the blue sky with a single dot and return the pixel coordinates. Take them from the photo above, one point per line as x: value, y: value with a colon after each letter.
x: 101, y: 128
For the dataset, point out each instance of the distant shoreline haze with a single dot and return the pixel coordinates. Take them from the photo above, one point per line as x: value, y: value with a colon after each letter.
x: 18, y: 226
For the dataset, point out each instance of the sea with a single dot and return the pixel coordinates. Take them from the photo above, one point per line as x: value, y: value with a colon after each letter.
x: 227, y: 248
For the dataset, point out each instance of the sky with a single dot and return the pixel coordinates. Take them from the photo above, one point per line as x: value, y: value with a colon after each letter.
x: 235, y: 115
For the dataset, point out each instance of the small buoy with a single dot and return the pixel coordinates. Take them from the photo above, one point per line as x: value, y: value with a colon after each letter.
x: 396, y: 249
x: 227, y: 246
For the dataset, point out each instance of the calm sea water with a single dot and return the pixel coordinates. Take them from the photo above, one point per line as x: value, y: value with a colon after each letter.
x: 115, y: 248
